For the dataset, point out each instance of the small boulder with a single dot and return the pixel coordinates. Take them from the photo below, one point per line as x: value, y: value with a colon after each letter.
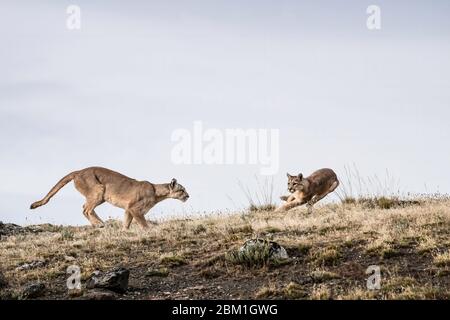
x: 32, y: 291
x: 115, y: 280
x: 276, y: 251
x: 31, y: 265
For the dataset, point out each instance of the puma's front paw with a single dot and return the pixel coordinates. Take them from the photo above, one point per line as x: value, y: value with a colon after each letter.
x: 284, y: 198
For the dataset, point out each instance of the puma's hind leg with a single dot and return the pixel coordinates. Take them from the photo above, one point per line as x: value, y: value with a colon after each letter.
x: 333, y: 186
x: 89, y: 186
x: 90, y: 214
x: 319, y: 197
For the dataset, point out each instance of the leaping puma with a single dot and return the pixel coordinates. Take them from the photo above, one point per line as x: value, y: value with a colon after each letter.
x: 101, y: 185
x: 309, y: 190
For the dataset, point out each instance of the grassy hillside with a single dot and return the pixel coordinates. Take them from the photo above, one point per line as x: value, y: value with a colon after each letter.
x: 329, y: 251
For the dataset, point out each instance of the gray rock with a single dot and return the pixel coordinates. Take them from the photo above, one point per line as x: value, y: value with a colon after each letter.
x: 9, y: 229
x: 31, y: 265
x: 115, y: 280
x: 33, y: 291
x: 276, y: 251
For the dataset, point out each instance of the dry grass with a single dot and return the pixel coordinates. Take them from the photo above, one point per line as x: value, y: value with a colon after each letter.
x: 267, y: 292
x: 330, y: 251
x: 442, y: 259
x: 321, y: 292
x: 323, y: 275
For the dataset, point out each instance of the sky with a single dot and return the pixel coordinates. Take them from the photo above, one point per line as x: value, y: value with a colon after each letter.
x: 113, y: 92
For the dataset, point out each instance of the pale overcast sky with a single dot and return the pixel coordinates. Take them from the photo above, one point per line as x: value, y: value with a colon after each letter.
x: 112, y: 93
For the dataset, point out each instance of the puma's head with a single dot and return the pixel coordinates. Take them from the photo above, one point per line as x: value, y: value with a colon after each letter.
x: 297, y: 183
x: 177, y: 191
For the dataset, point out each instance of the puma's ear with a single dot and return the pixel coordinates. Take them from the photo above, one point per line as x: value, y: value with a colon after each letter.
x: 288, y: 175
x: 300, y: 176
x: 173, y: 183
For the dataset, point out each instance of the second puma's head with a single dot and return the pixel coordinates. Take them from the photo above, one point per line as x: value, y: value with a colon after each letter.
x: 297, y: 183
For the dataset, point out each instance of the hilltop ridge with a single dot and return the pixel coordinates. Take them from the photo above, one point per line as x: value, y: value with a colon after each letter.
x: 329, y: 253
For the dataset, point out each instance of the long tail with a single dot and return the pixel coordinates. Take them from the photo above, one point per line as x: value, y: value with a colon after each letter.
x: 61, y: 183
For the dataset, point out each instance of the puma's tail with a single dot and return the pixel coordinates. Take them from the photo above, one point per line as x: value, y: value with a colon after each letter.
x: 54, y: 190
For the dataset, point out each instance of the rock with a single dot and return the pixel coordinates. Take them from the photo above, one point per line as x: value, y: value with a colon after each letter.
x: 9, y: 229
x: 99, y: 295
x: 32, y: 291
x: 115, y: 280
x: 3, y: 281
x: 31, y: 265
x: 276, y: 251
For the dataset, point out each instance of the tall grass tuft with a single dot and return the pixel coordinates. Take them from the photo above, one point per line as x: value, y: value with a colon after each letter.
x: 261, y: 199
x: 376, y: 192
x: 354, y: 186
x: 371, y: 191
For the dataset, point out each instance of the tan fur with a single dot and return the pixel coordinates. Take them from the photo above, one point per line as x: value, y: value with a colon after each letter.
x: 309, y: 190
x: 101, y: 185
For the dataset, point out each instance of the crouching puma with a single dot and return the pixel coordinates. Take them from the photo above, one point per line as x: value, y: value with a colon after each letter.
x: 101, y: 185
x: 309, y: 190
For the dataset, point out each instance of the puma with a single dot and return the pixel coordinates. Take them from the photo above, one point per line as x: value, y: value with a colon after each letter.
x: 101, y: 185
x: 309, y: 190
